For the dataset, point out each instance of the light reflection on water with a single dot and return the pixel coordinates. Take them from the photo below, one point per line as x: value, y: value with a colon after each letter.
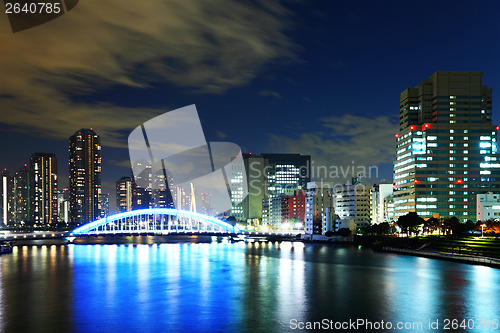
x: 255, y: 287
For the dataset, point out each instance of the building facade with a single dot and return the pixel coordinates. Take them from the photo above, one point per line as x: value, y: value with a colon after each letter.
x: 104, y: 204
x: 352, y: 203
x: 319, y: 210
x: 446, y: 147
x: 22, y: 195
x: 389, y: 209
x: 256, y: 170
x: 287, y: 173
x: 63, y: 205
x: 7, y: 203
x: 488, y: 206
x: 124, y: 194
x: 84, y: 176
x: 377, y: 195
x: 43, y: 189
x: 295, y: 209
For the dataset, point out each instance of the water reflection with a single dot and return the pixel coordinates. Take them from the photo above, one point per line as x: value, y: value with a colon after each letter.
x: 37, y: 285
x: 255, y: 287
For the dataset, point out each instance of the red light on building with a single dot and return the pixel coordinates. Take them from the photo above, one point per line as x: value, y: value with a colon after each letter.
x: 416, y: 181
x: 412, y: 127
x: 497, y: 128
x: 427, y: 125
x: 459, y: 181
x: 397, y: 135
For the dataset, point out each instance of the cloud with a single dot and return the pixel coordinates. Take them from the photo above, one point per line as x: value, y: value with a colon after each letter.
x: 51, y: 72
x: 344, y: 141
x: 270, y: 93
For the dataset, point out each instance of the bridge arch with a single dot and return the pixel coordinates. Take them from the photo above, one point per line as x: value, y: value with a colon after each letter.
x: 156, y: 220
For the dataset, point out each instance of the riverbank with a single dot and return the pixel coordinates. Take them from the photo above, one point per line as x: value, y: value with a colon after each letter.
x: 466, y: 259
x: 469, y: 250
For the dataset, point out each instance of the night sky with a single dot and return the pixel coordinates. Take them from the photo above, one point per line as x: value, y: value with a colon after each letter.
x: 313, y: 77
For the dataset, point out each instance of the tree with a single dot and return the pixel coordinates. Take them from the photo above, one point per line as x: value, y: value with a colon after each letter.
x: 410, y: 223
x: 430, y: 225
x: 344, y: 232
x: 451, y: 225
x: 381, y: 229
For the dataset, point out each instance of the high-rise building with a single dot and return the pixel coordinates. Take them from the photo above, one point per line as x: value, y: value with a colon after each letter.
x: 84, y: 176
x: 141, y: 197
x: 256, y: 170
x: 446, y: 146
x: 352, y: 203
x: 284, y: 174
x: 319, y: 210
x: 236, y: 175
x: 63, y: 204
x: 104, y: 204
x: 7, y: 203
x: 124, y: 194
x: 43, y: 189
x: 287, y: 173
x: 160, y: 191
x: 22, y: 195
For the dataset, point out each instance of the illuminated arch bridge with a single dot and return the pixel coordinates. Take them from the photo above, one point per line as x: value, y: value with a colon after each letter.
x: 158, y: 221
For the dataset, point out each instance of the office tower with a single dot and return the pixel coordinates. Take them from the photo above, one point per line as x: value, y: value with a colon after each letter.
x: 43, y: 189
x: 352, y: 203
x: 22, y: 195
x: 104, y: 204
x: 236, y: 175
x: 7, y: 203
x: 124, y: 194
x: 446, y: 147
x: 265, y: 212
x: 256, y: 170
x: 377, y: 195
x: 160, y: 192
x: 63, y: 204
x: 319, y: 210
x: 204, y: 204
x: 84, y: 176
x: 287, y: 173
x: 141, y: 197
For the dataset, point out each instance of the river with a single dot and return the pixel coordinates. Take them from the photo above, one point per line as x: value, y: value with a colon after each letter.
x: 236, y: 287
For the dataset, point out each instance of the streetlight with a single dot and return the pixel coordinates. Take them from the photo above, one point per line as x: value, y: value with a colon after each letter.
x: 482, y: 229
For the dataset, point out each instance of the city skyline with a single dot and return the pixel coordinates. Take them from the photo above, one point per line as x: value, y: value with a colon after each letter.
x: 299, y: 94
x: 249, y: 166
x: 342, y: 177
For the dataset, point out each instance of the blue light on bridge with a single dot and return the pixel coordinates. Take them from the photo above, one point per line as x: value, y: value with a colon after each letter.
x: 155, y: 211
